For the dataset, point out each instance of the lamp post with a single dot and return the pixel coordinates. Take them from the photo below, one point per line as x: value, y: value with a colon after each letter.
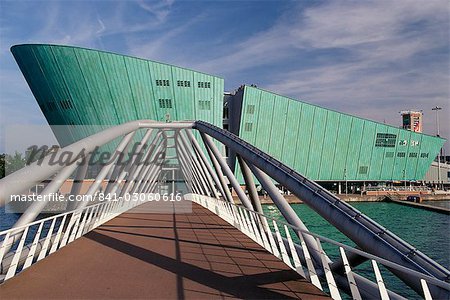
x: 437, y: 109
x: 345, y: 177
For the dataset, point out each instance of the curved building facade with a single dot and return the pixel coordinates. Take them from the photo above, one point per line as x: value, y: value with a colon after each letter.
x: 76, y: 86
x: 327, y: 145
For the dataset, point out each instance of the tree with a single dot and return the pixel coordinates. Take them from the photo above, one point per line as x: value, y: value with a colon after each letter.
x: 14, y: 162
x: 2, y: 165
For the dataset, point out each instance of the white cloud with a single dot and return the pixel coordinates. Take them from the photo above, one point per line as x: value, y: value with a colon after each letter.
x: 395, y: 56
x: 160, y: 9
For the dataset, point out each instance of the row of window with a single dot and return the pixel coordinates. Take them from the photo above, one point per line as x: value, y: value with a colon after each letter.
x: 403, y: 154
x: 250, y: 109
x: 162, y: 82
x: 386, y: 140
x: 204, y: 84
x: 66, y: 104
x: 184, y: 83
x: 363, y: 169
x: 204, y: 104
x: 165, y: 103
x: 52, y: 105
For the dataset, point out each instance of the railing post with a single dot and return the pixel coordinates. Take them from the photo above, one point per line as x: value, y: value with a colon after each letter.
x: 200, y: 177
x: 286, y: 210
x: 133, y: 161
x: 78, y: 180
x: 204, y: 161
x: 226, y: 169
x: 37, y: 206
x: 200, y: 165
x: 104, y: 171
x: 250, y: 184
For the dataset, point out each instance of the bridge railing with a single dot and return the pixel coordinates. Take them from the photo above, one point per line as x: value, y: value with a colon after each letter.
x: 287, y: 242
x: 22, y: 246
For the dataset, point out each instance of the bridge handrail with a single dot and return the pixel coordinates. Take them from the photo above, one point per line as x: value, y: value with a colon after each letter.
x: 381, y: 260
x: 285, y: 248
x: 74, y: 224
x: 19, y: 228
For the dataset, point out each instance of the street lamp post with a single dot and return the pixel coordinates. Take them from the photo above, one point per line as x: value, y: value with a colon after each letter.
x: 437, y: 109
x: 345, y: 177
x: 404, y: 177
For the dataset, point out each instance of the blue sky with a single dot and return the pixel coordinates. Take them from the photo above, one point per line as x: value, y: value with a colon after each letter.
x: 367, y: 58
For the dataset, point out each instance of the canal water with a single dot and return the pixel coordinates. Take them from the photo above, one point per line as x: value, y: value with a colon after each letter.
x: 427, y: 231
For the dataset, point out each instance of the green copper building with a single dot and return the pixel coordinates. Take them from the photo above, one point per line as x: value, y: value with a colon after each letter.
x: 76, y: 86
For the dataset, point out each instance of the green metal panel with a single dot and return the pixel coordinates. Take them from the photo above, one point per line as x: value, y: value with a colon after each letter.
x: 354, y: 147
x: 416, y: 145
x: 399, y: 170
x: 51, y: 74
x: 366, y: 149
x: 68, y: 63
x: 184, y: 94
x: 379, y: 154
x: 141, y: 87
x: 413, y: 155
x: 328, y: 146
x: 248, y: 125
x: 429, y: 146
x: 340, y: 155
x: 291, y: 132
x: 204, y: 112
x: 249, y: 119
x: 264, y: 124
x: 119, y: 86
x: 304, y: 137
x: 95, y: 81
x: 388, y: 162
x: 278, y: 126
x: 316, y: 145
x: 217, y: 106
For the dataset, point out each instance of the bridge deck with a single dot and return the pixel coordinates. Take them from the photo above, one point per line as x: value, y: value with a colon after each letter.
x: 170, y: 256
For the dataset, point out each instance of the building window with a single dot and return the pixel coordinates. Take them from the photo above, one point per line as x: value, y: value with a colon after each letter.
x: 248, y: 126
x: 204, y: 84
x: 183, y: 83
x: 413, y: 154
x: 386, y: 140
x: 165, y: 103
x: 390, y: 154
x: 251, y: 109
x: 401, y: 154
x: 66, y: 104
x: 424, y: 155
x: 363, y: 169
x: 204, y: 105
x: 162, y: 82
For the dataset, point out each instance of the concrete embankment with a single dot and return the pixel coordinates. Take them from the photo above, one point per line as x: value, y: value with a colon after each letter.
x: 441, y: 210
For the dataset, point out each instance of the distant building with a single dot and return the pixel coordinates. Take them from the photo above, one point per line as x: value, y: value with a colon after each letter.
x: 412, y: 120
